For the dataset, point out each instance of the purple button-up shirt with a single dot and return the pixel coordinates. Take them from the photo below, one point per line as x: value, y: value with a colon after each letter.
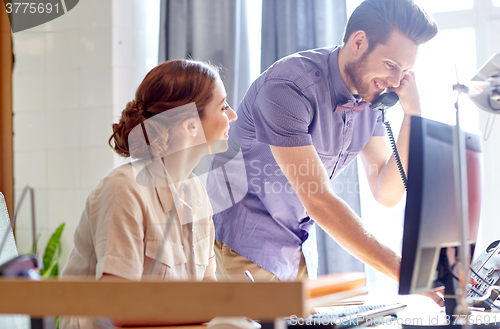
x: 293, y: 103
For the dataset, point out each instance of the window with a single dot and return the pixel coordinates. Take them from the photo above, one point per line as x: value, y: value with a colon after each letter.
x: 434, y: 6
x: 431, y: 6
x: 254, y: 18
x: 152, y: 11
x: 435, y: 74
x: 351, y: 5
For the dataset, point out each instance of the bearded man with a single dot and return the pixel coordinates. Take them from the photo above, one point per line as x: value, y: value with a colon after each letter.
x: 304, y: 120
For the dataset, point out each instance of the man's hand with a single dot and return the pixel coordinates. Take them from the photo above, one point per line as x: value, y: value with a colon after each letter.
x: 408, y: 94
x: 436, y: 296
x: 380, y: 166
x: 456, y: 266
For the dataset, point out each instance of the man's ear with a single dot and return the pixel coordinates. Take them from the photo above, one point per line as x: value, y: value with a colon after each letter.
x: 359, y: 42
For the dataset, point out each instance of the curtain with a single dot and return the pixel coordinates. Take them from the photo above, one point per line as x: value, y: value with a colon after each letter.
x: 214, y: 31
x: 289, y: 26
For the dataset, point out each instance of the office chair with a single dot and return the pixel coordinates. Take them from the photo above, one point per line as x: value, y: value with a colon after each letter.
x: 8, y: 251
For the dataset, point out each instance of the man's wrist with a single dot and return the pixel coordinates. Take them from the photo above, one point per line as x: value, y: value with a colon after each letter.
x: 413, y: 113
x: 407, y: 119
x: 412, y: 108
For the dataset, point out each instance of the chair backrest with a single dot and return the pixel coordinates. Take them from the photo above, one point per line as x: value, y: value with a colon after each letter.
x: 8, y: 249
x: 8, y: 252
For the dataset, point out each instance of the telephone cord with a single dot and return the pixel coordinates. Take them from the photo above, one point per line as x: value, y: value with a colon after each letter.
x: 401, y: 169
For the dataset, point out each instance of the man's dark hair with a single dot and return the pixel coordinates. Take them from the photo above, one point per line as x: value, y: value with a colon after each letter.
x: 378, y: 18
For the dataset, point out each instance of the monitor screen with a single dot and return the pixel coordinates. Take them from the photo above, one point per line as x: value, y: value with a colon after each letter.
x: 431, y: 223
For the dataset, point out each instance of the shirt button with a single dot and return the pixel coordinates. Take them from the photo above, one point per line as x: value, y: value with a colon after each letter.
x: 348, y: 123
x: 318, y: 73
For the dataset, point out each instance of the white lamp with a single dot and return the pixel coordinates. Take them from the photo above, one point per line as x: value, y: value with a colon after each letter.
x: 484, y: 88
x: 484, y: 91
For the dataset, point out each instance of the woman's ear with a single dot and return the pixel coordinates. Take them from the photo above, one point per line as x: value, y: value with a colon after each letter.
x: 190, y: 127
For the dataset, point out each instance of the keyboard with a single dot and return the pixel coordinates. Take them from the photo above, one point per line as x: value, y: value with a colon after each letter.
x: 344, y: 317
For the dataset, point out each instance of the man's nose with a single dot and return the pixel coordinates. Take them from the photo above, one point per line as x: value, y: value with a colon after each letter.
x: 395, y: 79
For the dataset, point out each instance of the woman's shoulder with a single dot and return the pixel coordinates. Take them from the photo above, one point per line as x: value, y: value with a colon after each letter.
x: 121, y: 174
x: 139, y: 172
x: 119, y: 179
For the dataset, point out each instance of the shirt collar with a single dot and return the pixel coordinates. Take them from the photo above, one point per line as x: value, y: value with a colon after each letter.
x: 150, y: 173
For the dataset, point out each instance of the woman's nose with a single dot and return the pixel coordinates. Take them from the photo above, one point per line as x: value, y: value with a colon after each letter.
x: 231, y: 114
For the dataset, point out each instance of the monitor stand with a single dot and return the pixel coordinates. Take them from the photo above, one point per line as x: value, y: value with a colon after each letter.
x: 450, y: 304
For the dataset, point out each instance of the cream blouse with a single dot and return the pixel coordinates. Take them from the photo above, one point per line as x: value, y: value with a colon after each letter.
x: 126, y: 217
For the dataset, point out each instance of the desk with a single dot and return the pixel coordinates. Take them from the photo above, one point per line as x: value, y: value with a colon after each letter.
x: 170, y: 327
x: 264, y: 301
x: 419, y: 308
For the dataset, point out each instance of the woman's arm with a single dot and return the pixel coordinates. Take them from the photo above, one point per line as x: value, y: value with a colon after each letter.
x: 211, y: 278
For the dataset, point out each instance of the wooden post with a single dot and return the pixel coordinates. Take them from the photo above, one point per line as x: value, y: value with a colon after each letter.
x: 6, y: 148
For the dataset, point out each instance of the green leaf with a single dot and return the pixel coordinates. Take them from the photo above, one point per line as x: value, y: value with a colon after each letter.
x: 52, y: 252
x: 53, y: 269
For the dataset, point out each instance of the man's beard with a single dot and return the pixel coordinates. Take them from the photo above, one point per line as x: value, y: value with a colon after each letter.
x: 354, y: 73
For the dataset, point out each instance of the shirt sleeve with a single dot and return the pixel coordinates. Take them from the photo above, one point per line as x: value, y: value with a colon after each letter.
x: 117, y: 222
x: 379, y: 127
x: 282, y: 115
x: 210, y: 270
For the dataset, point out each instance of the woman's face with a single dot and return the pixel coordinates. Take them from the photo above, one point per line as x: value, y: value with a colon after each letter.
x: 216, y: 118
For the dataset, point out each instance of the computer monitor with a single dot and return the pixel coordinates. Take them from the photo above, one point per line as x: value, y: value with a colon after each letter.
x: 431, y: 223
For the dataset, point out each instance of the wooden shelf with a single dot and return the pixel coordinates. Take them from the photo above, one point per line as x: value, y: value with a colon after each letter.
x: 152, y: 299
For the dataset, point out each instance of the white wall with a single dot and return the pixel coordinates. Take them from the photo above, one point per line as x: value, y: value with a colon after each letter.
x: 72, y: 77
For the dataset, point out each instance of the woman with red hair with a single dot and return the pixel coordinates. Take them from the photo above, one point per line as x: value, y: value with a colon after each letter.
x: 151, y: 216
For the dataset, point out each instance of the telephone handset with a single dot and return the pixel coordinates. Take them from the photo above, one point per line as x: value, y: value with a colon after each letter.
x: 383, y: 102
x: 486, y: 272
